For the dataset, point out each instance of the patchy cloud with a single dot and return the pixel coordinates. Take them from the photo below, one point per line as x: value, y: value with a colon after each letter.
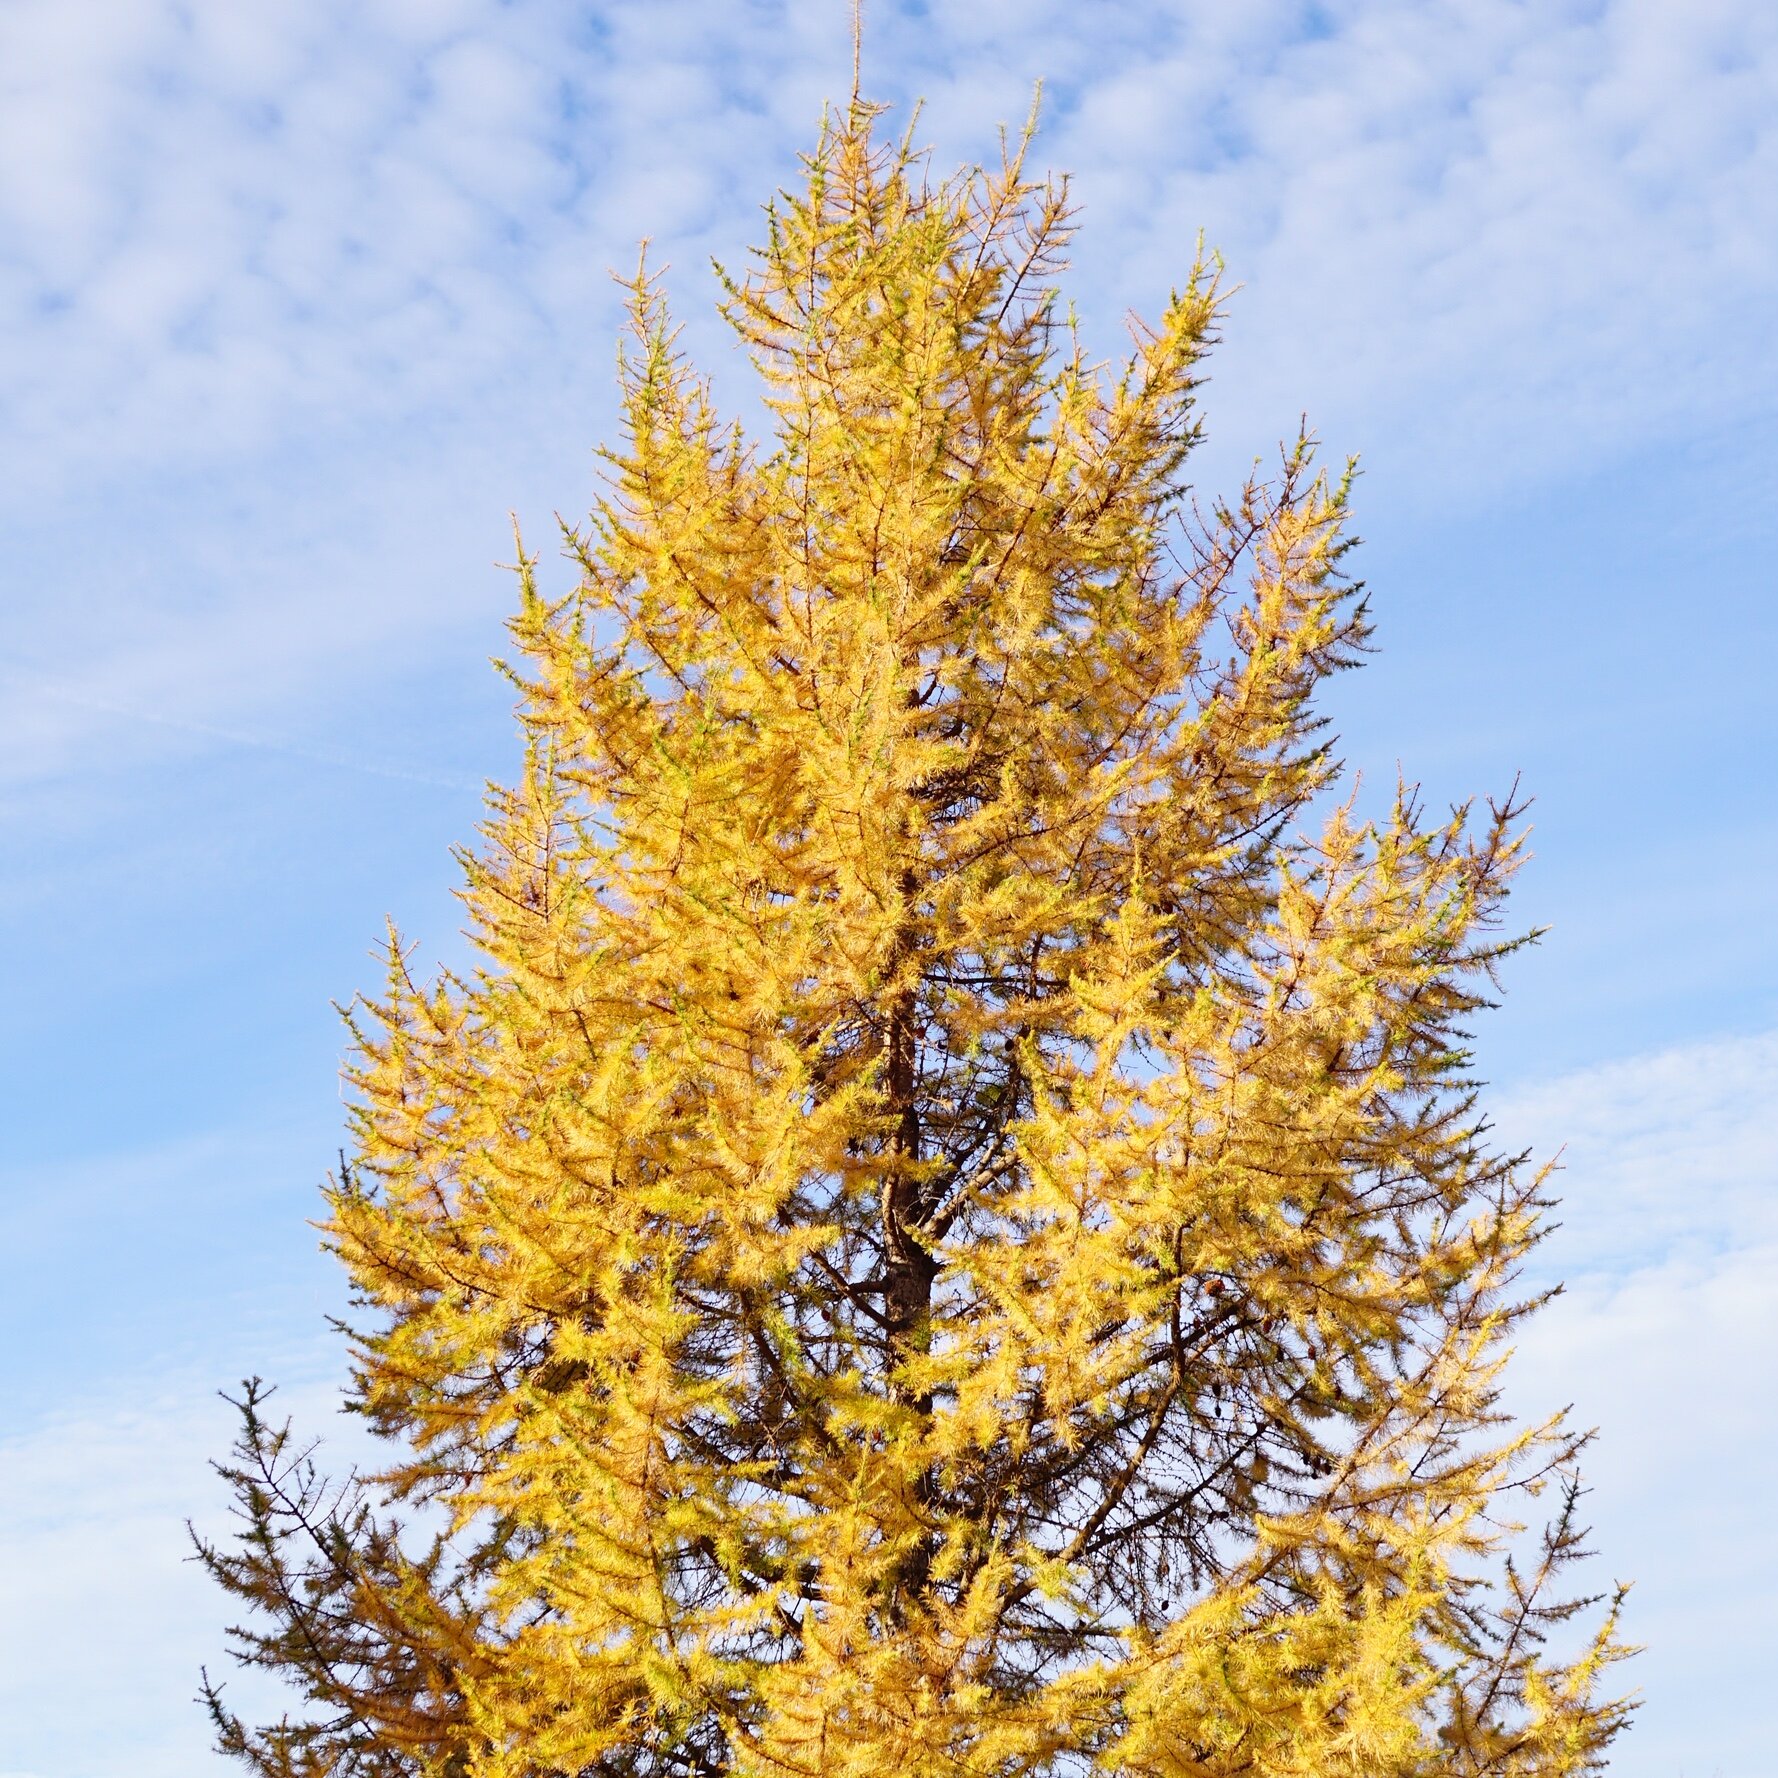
x: 279, y: 276
x: 1553, y: 225
x: 1519, y: 237
x: 225, y: 223
x: 1663, y: 1340
x: 1666, y: 1159
x: 108, y: 1621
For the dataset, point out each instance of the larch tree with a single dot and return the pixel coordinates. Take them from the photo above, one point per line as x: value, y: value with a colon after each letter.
x: 950, y: 1231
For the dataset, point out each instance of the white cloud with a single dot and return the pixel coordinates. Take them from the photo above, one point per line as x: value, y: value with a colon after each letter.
x: 1668, y: 1159
x: 296, y: 299
x: 1511, y: 237
x: 311, y: 265
x: 107, y: 1620
x: 1673, y: 1365
x: 220, y: 231
x: 1554, y: 220
x: 1663, y: 1339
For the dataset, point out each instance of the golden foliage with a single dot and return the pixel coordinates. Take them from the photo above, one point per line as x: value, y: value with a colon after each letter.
x: 950, y: 1232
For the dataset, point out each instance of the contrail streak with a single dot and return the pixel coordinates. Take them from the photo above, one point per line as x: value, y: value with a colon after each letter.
x: 326, y: 756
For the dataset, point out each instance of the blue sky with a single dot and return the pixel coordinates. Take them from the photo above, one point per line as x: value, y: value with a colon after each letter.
x: 301, y: 298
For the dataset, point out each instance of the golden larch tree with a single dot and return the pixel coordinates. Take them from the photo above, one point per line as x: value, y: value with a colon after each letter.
x: 950, y: 1231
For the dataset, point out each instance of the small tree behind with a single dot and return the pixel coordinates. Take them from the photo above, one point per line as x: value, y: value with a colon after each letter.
x: 950, y: 1233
